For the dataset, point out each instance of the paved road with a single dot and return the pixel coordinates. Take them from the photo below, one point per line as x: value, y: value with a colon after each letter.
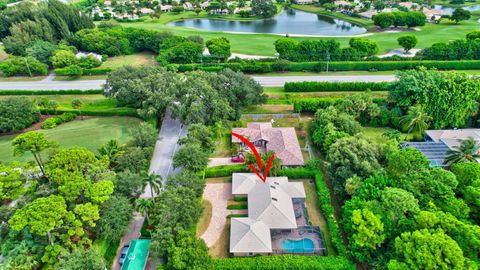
x: 273, y: 81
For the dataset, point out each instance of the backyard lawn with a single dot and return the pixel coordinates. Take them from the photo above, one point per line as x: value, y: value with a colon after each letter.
x: 88, y: 133
x: 376, y: 134
x: 138, y: 59
x: 97, y: 103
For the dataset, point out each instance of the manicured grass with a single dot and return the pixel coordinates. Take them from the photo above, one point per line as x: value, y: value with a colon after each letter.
x: 314, y: 215
x: 210, y: 180
x: 376, y: 134
x: 97, y: 103
x: 268, y: 108
x: 138, y: 59
x: 223, y: 145
x: 220, y: 248
x: 21, y: 78
x: 88, y: 133
x: 81, y: 78
x: 262, y: 44
x: 202, y: 224
x: 107, y: 249
x: 277, y: 94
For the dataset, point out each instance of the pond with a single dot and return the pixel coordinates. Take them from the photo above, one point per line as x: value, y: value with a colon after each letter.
x: 287, y: 22
x: 449, y: 10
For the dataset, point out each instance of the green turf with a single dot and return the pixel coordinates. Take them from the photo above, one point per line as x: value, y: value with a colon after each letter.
x: 138, y: 59
x: 88, y: 133
x: 262, y: 44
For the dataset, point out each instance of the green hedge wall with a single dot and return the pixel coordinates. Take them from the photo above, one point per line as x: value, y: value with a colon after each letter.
x: 119, y: 112
x: 313, y: 104
x: 49, y: 92
x: 285, y: 262
x: 334, y: 86
x: 264, y: 67
x: 327, y: 211
x: 92, y: 71
x: 224, y: 171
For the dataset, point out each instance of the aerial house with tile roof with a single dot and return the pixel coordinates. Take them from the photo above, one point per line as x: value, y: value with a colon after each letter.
x: 282, y: 141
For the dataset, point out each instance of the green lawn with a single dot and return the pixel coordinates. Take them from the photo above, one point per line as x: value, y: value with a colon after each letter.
x: 138, y: 59
x: 262, y: 44
x: 376, y: 134
x: 88, y: 133
x: 97, y: 103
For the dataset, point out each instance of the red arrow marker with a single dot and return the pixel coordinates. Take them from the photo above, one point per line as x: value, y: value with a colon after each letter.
x: 257, y: 156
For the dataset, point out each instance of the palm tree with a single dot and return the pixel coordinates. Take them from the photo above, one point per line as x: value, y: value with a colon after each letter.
x: 466, y: 152
x: 154, y: 181
x: 143, y: 205
x: 415, y: 121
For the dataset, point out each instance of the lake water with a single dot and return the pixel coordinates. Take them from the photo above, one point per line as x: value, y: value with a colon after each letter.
x: 287, y: 22
x: 450, y: 10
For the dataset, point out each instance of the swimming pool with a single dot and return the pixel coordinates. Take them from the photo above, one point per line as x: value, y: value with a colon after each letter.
x: 298, y: 246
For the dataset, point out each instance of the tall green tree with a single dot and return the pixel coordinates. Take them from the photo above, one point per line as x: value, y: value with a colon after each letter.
x: 425, y: 249
x: 33, y: 142
x: 467, y: 151
x: 82, y: 259
x: 154, y: 182
x: 191, y: 157
x: 143, y: 205
x: 42, y: 216
x: 415, y: 121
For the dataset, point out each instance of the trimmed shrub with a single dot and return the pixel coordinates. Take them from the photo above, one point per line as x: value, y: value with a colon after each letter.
x: 237, y: 206
x: 296, y: 173
x: 240, y: 199
x: 96, y: 71
x: 263, y: 67
x: 334, y: 86
x: 327, y: 210
x: 49, y: 123
x: 72, y: 70
x: 58, y: 120
x: 49, y: 92
x: 284, y: 262
x: 68, y: 116
x: 223, y: 171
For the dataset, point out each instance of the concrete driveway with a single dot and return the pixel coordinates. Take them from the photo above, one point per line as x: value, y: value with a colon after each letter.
x: 217, y: 194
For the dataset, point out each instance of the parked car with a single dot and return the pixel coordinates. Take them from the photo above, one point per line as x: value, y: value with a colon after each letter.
x: 238, y: 158
x: 123, y: 254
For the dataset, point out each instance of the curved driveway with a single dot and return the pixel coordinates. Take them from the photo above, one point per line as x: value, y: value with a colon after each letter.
x: 266, y: 81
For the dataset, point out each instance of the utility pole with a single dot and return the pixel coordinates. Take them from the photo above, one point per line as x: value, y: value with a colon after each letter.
x: 328, y: 60
x: 28, y: 67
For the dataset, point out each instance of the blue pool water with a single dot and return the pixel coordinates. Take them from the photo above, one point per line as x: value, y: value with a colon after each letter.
x: 298, y: 246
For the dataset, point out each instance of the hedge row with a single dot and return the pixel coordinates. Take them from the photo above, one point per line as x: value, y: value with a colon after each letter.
x: 122, y: 112
x: 237, y: 206
x: 327, y: 210
x: 49, y: 92
x: 334, y: 86
x: 224, y: 171
x: 91, y: 71
x: 228, y: 170
x: 264, y: 67
x: 313, y: 104
x: 284, y: 262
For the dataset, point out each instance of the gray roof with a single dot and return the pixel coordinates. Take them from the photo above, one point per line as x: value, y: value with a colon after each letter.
x: 270, y: 206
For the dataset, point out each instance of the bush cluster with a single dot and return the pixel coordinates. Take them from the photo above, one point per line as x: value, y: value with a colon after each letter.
x: 26, y: 66
x: 334, y: 86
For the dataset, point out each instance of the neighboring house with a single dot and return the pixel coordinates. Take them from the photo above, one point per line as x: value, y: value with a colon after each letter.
x: 85, y: 54
x: 146, y: 11
x: 282, y: 141
x: 368, y: 15
x: 205, y: 4
x: 137, y: 255
x: 219, y: 11
x: 188, y: 6
x: 165, y: 8
x: 438, y: 142
x: 276, y: 215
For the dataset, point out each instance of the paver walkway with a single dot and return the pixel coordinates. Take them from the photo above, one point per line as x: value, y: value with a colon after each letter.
x: 217, y: 194
x: 212, y: 162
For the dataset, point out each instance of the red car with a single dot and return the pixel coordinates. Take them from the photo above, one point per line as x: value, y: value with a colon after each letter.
x: 238, y: 158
